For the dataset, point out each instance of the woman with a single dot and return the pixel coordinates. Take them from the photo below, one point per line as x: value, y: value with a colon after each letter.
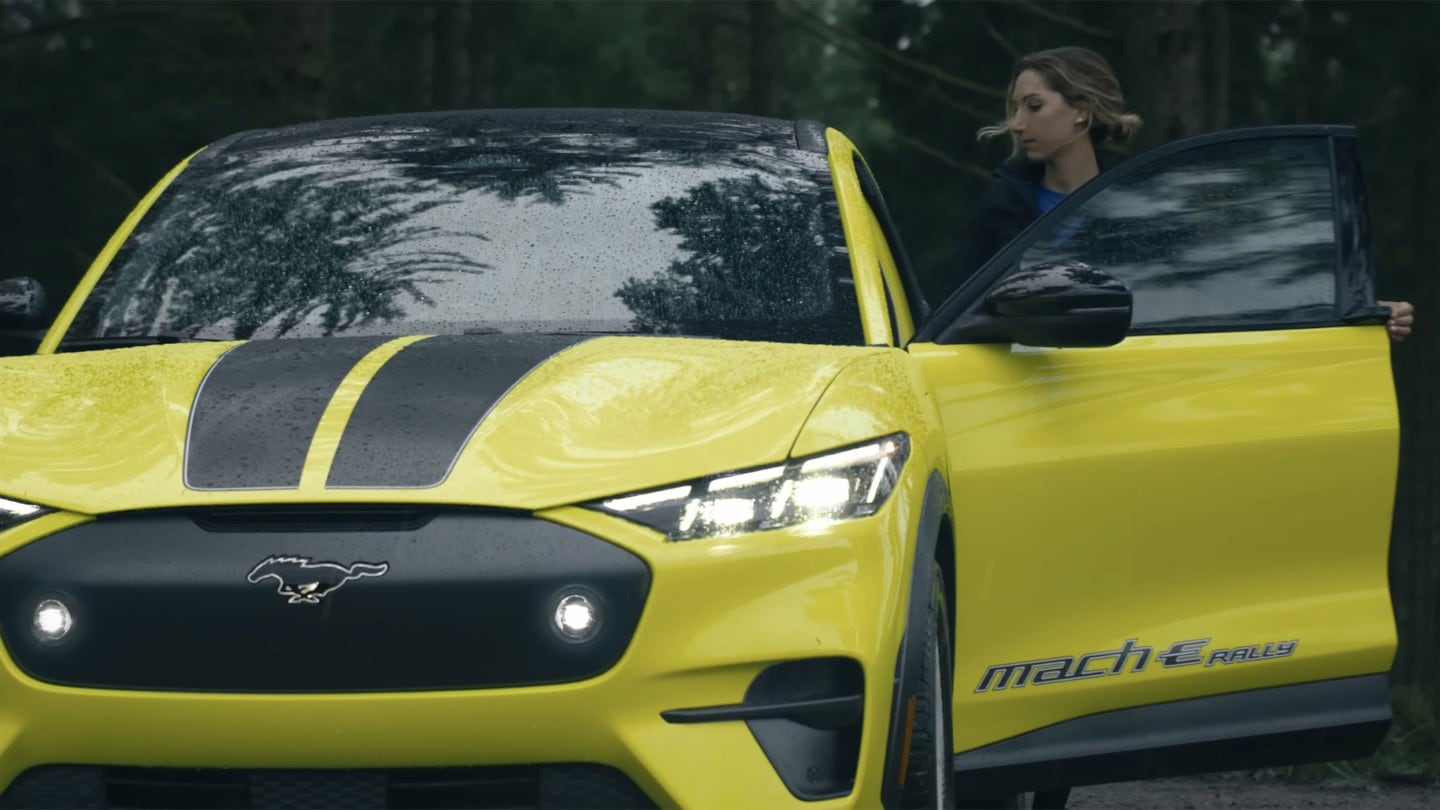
x: 1064, y: 108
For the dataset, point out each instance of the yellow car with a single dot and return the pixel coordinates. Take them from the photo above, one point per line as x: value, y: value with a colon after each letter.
x: 613, y: 459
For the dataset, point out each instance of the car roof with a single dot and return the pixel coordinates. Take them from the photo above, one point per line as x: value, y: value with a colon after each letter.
x: 717, y: 128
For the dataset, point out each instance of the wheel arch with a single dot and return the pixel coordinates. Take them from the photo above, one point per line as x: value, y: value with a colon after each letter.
x: 930, y: 535
x: 945, y: 556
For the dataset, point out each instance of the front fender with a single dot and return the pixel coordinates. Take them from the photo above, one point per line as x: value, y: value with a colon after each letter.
x: 910, y: 659
x: 874, y: 396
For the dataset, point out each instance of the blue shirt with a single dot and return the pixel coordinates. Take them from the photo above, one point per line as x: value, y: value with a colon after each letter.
x: 1045, y: 199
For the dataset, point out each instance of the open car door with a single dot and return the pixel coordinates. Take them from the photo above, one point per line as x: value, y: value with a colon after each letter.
x: 1171, y: 552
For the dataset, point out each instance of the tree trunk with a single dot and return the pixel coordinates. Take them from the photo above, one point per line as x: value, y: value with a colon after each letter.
x: 297, y: 39
x: 702, y: 70
x: 460, y: 59
x: 763, y: 58
x: 1162, y: 45
x: 1217, y: 62
x: 490, y: 20
x: 1415, y: 555
x: 1415, y: 538
x: 425, y: 60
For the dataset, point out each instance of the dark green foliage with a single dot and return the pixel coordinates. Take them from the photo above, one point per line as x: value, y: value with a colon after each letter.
x: 725, y: 279
x: 1410, y: 753
x: 260, y: 232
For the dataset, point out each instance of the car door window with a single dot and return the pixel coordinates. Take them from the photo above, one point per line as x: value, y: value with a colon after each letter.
x: 1232, y: 235
x: 919, y: 308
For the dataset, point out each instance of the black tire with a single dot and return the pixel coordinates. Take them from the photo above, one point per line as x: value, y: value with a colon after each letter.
x: 929, y: 782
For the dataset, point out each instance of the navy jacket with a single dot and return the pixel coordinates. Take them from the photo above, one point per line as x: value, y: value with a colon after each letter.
x: 1008, y: 208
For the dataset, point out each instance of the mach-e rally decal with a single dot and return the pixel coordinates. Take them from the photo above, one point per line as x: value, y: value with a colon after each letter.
x: 1137, y: 656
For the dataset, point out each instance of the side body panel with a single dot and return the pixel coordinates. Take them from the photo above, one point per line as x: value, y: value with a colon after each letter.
x: 1175, y: 545
x: 1228, y: 490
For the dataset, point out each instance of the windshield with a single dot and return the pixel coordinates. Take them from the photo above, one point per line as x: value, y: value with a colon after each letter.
x: 439, y: 230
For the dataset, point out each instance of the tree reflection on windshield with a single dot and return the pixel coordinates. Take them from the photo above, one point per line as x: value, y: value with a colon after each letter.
x: 464, y: 224
x: 1225, y: 235
x: 726, y: 284
x: 280, y: 243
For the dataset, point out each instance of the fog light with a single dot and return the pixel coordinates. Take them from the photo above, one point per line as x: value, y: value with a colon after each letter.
x: 577, y: 617
x: 52, y: 622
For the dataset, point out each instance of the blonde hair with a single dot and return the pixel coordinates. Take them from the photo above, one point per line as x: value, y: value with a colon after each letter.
x: 1083, y: 78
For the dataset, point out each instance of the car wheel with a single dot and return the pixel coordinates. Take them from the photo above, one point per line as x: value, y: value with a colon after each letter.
x: 929, y: 782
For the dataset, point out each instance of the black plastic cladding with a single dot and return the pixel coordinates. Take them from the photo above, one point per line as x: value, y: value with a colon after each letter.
x: 467, y: 601
x: 815, y: 760
x: 562, y: 786
x: 1311, y: 722
x: 806, y: 716
x: 910, y: 658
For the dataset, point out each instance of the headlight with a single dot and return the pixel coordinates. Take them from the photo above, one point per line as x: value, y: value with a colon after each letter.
x: 13, y: 513
x: 848, y: 483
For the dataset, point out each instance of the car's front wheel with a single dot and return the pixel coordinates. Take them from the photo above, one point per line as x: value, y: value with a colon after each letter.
x: 929, y: 782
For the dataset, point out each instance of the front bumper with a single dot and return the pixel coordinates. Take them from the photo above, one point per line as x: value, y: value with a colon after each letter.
x: 719, y: 612
x: 318, y: 600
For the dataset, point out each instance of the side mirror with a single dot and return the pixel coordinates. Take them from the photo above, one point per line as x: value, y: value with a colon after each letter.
x: 22, y: 302
x: 1061, y: 304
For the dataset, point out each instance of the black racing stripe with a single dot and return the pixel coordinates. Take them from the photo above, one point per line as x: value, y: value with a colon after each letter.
x: 416, y: 415
x: 256, y: 411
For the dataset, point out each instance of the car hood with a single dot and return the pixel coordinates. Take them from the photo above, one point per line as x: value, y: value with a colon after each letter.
x: 525, y: 422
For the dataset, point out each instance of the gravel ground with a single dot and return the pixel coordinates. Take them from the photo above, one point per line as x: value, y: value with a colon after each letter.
x: 1244, y: 790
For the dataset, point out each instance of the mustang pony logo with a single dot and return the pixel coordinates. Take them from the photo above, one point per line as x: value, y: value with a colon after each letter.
x: 306, y: 581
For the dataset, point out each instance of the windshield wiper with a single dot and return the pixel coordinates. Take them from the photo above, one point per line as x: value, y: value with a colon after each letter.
x: 123, y: 341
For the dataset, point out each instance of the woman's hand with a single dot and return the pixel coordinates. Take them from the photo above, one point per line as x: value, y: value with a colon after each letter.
x: 1402, y: 317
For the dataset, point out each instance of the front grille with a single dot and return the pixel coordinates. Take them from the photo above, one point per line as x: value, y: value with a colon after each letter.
x: 341, y: 517
x: 317, y: 600
x: 572, y: 785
